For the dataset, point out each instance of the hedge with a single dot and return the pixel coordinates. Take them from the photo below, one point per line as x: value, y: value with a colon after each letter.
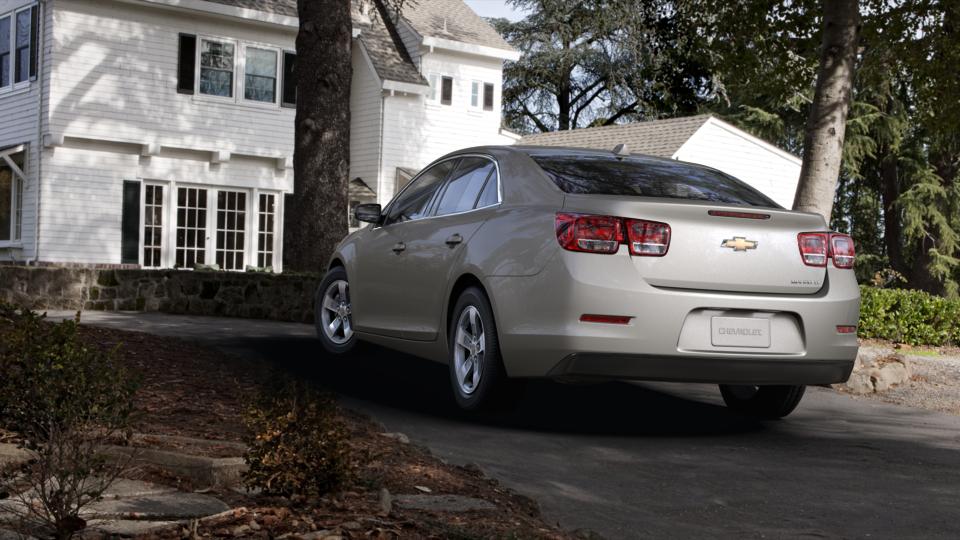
x: 908, y: 316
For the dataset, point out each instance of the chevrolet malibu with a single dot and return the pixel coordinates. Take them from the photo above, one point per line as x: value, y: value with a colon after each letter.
x: 508, y: 263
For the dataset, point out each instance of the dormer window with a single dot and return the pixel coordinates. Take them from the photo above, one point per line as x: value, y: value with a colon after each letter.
x: 446, y: 90
x: 216, y: 68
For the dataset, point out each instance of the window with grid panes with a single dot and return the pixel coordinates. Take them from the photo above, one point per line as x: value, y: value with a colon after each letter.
x: 265, y: 229
x: 191, y: 227
x: 231, y: 226
x: 152, y: 226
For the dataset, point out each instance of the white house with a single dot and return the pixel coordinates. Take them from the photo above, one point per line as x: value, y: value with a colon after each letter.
x: 159, y: 133
x: 703, y: 139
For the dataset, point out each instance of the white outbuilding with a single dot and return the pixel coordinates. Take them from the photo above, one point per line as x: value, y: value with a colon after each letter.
x: 703, y: 139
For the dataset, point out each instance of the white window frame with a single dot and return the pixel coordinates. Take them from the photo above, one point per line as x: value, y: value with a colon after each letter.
x: 164, y: 224
x: 198, y: 69
x: 19, y: 179
x: 433, y: 79
x: 12, y: 15
x: 277, y: 223
x: 278, y: 74
x: 476, y: 95
x: 239, y: 72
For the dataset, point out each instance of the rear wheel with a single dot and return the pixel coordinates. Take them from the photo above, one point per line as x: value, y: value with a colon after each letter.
x: 764, y: 402
x: 333, y: 315
x: 477, y: 375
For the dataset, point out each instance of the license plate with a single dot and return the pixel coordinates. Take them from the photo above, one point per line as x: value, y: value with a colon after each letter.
x: 739, y: 332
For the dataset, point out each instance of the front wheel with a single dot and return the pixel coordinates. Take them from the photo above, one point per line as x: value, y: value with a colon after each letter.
x: 764, y: 402
x: 333, y: 314
x: 477, y: 374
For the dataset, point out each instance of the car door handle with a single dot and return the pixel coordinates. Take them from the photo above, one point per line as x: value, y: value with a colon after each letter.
x: 454, y: 239
x: 398, y: 247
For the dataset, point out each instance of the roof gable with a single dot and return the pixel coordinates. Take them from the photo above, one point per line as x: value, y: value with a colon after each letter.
x: 654, y: 138
x: 453, y: 20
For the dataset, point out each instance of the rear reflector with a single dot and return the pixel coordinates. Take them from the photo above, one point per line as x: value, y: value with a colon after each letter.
x: 846, y: 329
x: 604, y: 234
x: 742, y: 215
x: 817, y: 247
x: 609, y: 319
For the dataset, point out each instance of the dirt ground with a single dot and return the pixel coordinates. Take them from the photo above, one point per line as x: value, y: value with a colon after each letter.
x: 188, y: 390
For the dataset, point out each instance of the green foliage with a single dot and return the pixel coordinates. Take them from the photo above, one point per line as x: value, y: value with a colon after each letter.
x: 597, y: 62
x: 298, y: 445
x: 908, y: 316
x: 51, y: 381
x: 63, y: 400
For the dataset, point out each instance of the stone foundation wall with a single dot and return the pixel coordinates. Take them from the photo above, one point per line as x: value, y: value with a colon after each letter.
x: 282, y: 297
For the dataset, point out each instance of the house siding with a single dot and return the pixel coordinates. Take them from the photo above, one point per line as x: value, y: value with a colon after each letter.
x: 114, y: 69
x: 365, y: 119
x: 418, y: 131
x: 20, y: 111
x: 771, y: 172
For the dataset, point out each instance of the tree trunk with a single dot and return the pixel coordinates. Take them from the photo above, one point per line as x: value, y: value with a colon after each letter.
x: 316, y: 214
x: 823, y: 141
x: 892, y: 225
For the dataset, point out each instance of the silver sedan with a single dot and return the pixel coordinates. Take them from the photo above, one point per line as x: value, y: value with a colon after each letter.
x: 508, y: 263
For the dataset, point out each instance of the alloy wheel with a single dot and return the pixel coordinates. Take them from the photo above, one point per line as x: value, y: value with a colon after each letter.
x: 335, y: 312
x: 468, y: 350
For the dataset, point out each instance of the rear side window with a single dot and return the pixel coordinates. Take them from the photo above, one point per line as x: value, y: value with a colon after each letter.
x: 414, y: 202
x: 464, y: 186
x: 647, y: 177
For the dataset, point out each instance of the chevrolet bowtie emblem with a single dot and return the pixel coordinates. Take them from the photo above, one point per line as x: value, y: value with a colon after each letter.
x: 739, y: 243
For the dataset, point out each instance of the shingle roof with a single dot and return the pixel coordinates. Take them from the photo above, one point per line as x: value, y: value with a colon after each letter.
x: 655, y: 138
x: 451, y: 19
x: 389, y: 58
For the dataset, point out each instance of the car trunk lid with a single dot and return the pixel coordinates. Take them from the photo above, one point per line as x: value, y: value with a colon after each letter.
x: 718, y: 247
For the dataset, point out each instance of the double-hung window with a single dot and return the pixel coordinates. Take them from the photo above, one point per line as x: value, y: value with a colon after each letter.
x: 18, y: 47
x: 260, y: 75
x: 217, y: 59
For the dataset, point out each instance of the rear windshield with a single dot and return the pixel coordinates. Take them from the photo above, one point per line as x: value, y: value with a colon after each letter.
x: 645, y: 177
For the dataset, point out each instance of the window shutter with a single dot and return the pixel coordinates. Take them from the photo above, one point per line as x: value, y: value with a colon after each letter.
x: 130, y: 224
x: 289, y: 85
x: 186, y: 65
x: 34, y: 40
x: 446, y: 91
x: 487, y: 97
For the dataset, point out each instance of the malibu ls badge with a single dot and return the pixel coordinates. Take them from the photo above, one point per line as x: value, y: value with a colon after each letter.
x: 739, y: 243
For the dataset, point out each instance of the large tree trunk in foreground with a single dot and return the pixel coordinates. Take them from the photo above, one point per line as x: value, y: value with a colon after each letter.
x: 316, y: 214
x: 823, y: 142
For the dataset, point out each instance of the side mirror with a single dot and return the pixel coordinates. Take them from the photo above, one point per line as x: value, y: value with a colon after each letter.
x: 369, y: 213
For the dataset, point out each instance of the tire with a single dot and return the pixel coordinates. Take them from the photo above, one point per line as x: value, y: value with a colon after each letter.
x: 477, y: 376
x: 763, y: 402
x: 332, y: 313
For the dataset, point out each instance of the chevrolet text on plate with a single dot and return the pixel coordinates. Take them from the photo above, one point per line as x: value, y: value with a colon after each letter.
x: 510, y: 263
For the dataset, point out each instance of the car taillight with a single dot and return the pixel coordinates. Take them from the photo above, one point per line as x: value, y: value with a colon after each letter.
x: 842, y: 251
x: 604, y: 234
x: 648, y: 238
x: 816, y: 248
x: 594, y: 234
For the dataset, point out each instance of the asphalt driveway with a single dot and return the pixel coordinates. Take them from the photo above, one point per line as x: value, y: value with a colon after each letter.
x: 644, y: 460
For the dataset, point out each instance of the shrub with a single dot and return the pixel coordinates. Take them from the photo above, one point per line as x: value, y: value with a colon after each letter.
x: 63, y: 400
x: 908, y: 316
x: 298, y: 444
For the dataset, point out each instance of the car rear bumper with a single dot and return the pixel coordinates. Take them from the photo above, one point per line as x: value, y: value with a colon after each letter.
x: 668, y: 336
x: 720, y: 370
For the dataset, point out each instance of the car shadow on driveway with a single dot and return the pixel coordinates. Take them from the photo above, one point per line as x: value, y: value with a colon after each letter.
x: 392, y: 379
